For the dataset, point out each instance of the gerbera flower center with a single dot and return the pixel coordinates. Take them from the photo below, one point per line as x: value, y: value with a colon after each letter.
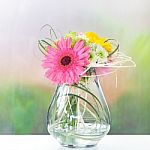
x: 66, y: 60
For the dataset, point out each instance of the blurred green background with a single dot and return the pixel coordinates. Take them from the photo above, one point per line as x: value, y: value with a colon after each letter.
x: 25, y: 93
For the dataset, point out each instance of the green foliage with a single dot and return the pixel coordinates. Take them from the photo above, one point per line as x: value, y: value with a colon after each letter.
x: 141, y: 51
x: 23, y: 110
x: 130, y: 114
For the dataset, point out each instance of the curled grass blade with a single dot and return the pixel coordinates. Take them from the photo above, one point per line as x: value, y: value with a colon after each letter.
x: 69, y: 94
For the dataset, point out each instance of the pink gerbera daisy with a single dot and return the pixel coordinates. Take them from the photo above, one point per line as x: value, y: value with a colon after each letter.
x: 64, y: 63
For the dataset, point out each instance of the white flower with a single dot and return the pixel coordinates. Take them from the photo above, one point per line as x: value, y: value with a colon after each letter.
x: 83, y: 37
x: 101, y: 54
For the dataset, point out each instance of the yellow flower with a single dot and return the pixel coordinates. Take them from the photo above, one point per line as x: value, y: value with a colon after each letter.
x: 106, y: 45
x: 94, y: 38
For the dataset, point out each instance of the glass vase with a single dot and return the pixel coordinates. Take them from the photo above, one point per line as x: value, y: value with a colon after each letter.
x: 78, y: 115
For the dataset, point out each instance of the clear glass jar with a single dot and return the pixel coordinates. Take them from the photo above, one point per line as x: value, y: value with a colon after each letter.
x: 78, y: 115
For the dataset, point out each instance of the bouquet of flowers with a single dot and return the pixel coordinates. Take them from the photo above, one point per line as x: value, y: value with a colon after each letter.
x: 78, y: 114
x: 69, y: 58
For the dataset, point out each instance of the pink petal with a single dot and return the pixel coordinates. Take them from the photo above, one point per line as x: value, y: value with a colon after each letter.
x: 76, y: 78
x: 83, y: 56
x: 50, y: 49
x: 79, y: 70
x: 68, y: 42
x: 71, y: 74
x: 58, y: 76
x: 83, y: 62
x: 59, y: 45
x: 48, y: 65
x: 51, y: 52
x: 49, y: 74
x: 65, y: 77
x: 78, y: 45
x: 83, y: 50
x: 63, y: 43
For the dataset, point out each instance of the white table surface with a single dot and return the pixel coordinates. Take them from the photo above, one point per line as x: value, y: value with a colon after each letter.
x: 47, y: 142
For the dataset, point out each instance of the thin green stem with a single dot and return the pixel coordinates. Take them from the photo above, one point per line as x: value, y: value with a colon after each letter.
x: 46, y: 42
x: 86, y: 90
x: 41, y: 47
x: 69, y: 94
